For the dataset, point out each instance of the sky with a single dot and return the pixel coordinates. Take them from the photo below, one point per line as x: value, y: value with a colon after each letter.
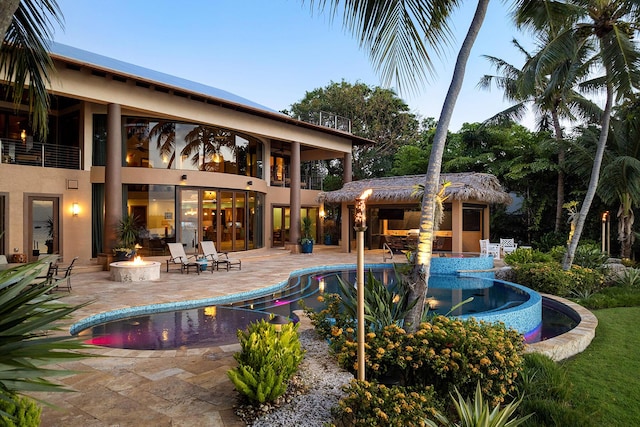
x: 274, y: 51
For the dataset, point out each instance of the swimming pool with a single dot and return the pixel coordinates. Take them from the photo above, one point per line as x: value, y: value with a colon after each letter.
x: 215, y: 321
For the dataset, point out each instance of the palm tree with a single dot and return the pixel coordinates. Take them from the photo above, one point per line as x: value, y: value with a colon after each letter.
x: 24, y: 55
x: 607, y: 27
x: 397, y: 34
x: 621, y: 173
x: 620, y: 180
x: 553, y: 97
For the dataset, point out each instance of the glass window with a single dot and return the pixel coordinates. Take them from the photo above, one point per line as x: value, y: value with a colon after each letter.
x: 154, y: 208
x: 471, y: 218
x: 172, y: 145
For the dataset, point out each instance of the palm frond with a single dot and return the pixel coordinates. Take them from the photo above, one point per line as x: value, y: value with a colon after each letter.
x: 24, y: 57
x: 398, y: 35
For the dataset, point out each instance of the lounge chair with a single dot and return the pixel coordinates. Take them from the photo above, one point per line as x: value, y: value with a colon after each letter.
x: 178, y: 257
x: 211, y: 254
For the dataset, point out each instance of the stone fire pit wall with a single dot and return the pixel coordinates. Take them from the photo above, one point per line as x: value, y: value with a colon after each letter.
x: 127, y: 271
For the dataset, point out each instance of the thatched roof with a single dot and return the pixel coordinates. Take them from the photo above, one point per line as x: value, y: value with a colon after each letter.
x: 481, y: 187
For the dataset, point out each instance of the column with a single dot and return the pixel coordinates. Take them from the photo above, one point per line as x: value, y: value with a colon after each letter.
x: 112, y: 178
x: 347, y: 172
x: 294, y: 191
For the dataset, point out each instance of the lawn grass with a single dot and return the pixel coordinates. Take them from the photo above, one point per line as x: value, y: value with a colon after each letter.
x: 606, y: 376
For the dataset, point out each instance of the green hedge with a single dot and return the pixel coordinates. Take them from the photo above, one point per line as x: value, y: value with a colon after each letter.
x: 548, y: 277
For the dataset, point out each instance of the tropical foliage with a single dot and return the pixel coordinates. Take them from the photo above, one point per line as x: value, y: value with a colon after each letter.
x: 21, y: 411
x: 375, y: 113
x: 30, y: 319
x: 27, y: 26
x: 606, y: 29
x: 478, y: 413
x: 267, y: 361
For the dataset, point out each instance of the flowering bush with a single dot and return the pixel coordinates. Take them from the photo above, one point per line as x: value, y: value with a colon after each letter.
x: 444, y: 352
x: 369, y: 404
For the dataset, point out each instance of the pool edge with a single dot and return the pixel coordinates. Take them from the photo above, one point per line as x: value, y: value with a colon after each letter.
x: 572, y: 342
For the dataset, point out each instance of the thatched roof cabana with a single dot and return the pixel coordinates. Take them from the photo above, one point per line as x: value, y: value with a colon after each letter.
x: 482, y: 187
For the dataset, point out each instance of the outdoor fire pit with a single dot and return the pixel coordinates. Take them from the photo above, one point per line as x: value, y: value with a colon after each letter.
x: 134, y: 271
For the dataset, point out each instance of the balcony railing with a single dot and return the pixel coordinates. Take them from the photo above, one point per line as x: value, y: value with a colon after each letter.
x: 329, y: 120
x: 307, y: 181
x: 30, y: 153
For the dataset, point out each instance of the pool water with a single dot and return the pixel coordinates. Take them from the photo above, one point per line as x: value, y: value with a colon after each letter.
x: 218, y: 324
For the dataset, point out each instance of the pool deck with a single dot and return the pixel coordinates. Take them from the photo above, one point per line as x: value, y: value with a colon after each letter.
x: 183, y: 387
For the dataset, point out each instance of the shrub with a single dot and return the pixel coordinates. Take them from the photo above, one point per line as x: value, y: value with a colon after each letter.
x: 267, y: 361
x: 545, y: 391
x: 551, y: 240
x: 551, y: 279
x: 541, y: 377
x: 557, y: 253
x: 383, y: 304
x: 526, y: 256
x: 23, y: 411
x: 589, y: 255
x: 630, y: 278
x: 628, y: 262
x: 29, y: 317
x: 479, y: 414
x: 370, y: 404
x: 443, y: 352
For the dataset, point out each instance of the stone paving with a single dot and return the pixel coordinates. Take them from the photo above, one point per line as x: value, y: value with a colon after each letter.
x: 184, y: 387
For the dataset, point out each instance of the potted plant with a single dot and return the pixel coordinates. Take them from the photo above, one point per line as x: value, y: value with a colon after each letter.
x: 127, y: 232
x: 306, y: 241
x: 329, y: 232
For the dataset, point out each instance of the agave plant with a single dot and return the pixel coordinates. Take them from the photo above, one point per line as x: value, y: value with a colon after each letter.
x: 479, y: 414
x: 384, y: 304
x: 29, y: 313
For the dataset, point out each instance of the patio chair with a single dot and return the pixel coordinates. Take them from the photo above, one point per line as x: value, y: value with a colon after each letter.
x: 178, y: 257
x: 508, y: 246
x: 211, y: 254
x: 62, y: 276
x: 487, y: 248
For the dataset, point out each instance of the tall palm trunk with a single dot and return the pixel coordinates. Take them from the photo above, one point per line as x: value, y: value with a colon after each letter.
x: 419, y: 274
x: 626, y: 218
x: 561, y: 160
x: 7, y: 10
x: 593, y: 180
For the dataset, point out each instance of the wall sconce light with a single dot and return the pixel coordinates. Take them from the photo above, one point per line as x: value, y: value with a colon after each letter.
x: 23, y: 135
x: 184, y: 177
x: 75, y: 208
x: 322, y: 215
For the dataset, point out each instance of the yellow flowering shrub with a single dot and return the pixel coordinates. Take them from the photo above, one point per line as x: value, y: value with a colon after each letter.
x: 444, y: 352
x: 370, y: 404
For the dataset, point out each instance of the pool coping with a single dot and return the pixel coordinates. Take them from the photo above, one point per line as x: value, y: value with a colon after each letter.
x: 572, y: 342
